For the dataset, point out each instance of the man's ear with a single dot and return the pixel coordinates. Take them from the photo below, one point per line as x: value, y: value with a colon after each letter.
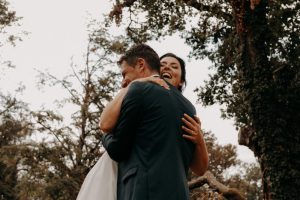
x: 141, y: 63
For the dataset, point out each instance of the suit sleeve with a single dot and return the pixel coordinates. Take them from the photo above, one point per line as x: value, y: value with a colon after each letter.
x: 119, y: 144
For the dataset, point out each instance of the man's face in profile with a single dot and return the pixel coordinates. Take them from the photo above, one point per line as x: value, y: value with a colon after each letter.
x: 129, y: 73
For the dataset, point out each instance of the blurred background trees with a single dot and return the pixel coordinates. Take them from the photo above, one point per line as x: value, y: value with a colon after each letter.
x: 15, y: 129
x: 229, y: 171
x: 14, y: 125
x: 7, y: 18
x: 46, y: 153
x: 254, y: 48
x: 69, y: 146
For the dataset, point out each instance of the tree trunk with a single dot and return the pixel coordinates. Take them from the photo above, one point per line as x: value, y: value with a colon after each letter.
x: 272, y: 103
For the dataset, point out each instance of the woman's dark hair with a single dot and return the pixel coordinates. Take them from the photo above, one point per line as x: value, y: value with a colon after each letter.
x: 141, y: 51
x: 182, y: 66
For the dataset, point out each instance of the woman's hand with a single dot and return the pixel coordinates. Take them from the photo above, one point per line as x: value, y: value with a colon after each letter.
x: 193, y: 128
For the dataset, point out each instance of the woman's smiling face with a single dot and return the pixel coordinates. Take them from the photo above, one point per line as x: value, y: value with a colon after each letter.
x: 170, y: 70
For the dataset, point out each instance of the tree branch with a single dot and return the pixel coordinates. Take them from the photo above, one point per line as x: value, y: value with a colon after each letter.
x: 209, y: 178
x: 201, y: 7
x: 10, y: 105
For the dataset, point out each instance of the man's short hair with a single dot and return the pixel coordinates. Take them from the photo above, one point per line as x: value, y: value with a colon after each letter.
x: 141, y: 51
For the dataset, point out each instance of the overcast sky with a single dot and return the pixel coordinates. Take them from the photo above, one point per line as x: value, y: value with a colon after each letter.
x: 57, y: 32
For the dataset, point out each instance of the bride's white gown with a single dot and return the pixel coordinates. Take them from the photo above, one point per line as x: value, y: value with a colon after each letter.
x: 101, y: 181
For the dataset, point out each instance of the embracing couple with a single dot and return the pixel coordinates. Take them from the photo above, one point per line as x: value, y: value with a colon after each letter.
x: 152, y: 135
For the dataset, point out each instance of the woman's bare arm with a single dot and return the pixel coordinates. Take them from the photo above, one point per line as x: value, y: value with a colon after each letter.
x: 192, y: 126
x: 111, y: 112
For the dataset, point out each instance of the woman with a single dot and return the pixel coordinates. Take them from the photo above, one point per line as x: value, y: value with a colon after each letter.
x: 173, y: 71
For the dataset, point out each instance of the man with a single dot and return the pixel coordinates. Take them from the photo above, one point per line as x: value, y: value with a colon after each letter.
x: 147, y: 141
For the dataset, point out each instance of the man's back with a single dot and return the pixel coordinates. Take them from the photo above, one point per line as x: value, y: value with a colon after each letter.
x: 153, y: 156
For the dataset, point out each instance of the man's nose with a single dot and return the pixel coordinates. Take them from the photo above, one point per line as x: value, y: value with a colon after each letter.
x: 124, y: 83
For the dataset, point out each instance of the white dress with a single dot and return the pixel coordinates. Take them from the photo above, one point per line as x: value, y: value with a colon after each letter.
x: 101, y: 181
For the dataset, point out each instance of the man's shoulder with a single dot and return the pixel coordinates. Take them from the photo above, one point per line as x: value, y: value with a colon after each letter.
x: 134, y: 89
x: 136, y: 85
x: 144, y: 85
x: 187, y: 104
x: 137, y: 88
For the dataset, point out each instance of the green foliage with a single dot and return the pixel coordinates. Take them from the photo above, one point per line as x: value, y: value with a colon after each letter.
x: 221, y: 157
x: 67, y: 148
x: 254, y: 48
x: 7, y: 18
x: 14, y: 128
x: 248, y: 179
x: 230, y: 171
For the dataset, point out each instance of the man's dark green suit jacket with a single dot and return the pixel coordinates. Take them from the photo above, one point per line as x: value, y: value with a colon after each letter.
x: 147, y: 143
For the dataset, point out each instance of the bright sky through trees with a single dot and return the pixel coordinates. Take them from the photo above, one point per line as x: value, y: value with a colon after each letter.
x: 57, y: 36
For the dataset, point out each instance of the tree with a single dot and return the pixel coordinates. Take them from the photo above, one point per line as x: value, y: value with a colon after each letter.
x: 7, y: 19
x: 254, y: 48
x: 248, y: 180
x: 14, y: 129
x: 69, y: 147
x: 221, y: 157
x: 219, y: 181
